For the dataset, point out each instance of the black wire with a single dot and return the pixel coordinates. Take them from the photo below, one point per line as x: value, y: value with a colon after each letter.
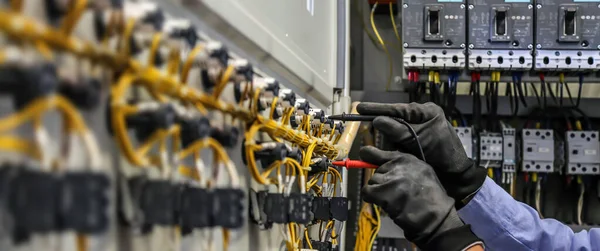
x: 414, y: 134
x: 566, y: 86
x: 579, y: 91
x: 537, y: 96
x: 548, y: 87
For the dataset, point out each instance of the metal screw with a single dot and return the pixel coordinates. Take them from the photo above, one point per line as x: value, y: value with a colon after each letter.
x: 471, y: 46
x: 405, y: 6
x: 405, y: 45
x: 598, y: 5
x: 538, y: 46
x: 530, y: 6
x: 463, y: 46
x: 598, y: 47
x: 462, y: 6
x: 530, y: 46
x: 539, y: 6
x: 471, y: 6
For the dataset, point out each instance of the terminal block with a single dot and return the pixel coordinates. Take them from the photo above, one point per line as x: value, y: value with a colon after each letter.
x: 490, y: 149
x: 434, y: 34
x: 509, y: 156
x: 501, y: 35
x: 538, y: 150
x: 582, y: 153
x: 465, y: 134
x: 567, y: 35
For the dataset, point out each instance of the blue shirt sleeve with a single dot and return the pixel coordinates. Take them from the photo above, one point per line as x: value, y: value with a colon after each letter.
x: 506, y: 224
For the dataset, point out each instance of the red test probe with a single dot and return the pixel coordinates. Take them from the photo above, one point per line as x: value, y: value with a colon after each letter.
x: 354, y: 164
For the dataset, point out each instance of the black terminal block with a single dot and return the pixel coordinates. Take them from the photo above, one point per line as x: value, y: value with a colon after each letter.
x: 84, y: 203
x: 228, y: 136
x: 321, y: 245
x: 320, y: 165
x: 320, y: 115
x: 159, y: 203
x: 338, y: 208
x: 222, y: 56
x: 272, y: 86
x: 85, y: 95
x: 196, y: 205
x: 28, y: 83
x: 295, y: 121
x: 257, y: 202
x: 339, y: 127
x: 320, y: 208
x: 276, y: 208
x: 296, y: 154
x: 300, y: 208
x: 245, y: 71
x: 155, y: 18
x: 329, y: 122
x: 193, y: 129
x: 270, y: 153
x: 289, y: 97
x: 228, y: 208
x: 33, y: 202
x: 303, y: 105
x: 146, y: 122
x: 189, y: 35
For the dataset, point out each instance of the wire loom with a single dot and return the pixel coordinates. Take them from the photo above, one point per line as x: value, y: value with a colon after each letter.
x: 23, y: 28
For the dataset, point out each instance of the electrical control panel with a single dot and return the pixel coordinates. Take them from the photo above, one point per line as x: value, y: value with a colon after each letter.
x: 465, y: 134
x: 567, y: 35
x: 583, y: 150
x: 509, y: 161
x: 490, y: 149
x: 538, y: 150
x: 500, y: 35
x: 434, y: 34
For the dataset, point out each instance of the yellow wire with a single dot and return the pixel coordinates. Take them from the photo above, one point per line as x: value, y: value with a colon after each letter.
x: 73, y: 16
x: 223, y: 81
x: 385, y: 49
x: 156, y: 39
x: 22, y: 146
x: 394, y: 24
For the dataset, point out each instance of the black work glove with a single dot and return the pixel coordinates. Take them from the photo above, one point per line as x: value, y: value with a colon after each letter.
x: 443, y: 150
x: 408, y: 190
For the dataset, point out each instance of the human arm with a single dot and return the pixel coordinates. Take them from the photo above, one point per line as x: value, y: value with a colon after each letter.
x: 408, y: 190
x: 506, y: 224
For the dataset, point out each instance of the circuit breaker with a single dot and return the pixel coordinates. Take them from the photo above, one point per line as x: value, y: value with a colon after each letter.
x: 567, y: 35
x: 509, y: 157
x: 538, y: 150
x: 583, y: 148
x: 500, y: 34
x: 465, y: 134
x: 434, y: 34
x: 490, y: 149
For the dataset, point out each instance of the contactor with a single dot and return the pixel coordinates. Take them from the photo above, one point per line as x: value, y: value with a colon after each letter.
x: 538, y: 150
x: 465, y: 134
x: 490, y: 149
x: 583, y: 148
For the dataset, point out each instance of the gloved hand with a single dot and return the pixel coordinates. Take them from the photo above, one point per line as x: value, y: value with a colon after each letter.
x: 408, y: 190
x: 443, y: 150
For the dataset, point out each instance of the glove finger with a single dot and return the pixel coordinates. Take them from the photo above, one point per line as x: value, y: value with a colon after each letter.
x: 412, y: 112
x: 377, y: 156
x: 395, y: 131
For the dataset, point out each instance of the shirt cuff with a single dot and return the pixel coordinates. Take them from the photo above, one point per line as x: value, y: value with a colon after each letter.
x: 490, y: 213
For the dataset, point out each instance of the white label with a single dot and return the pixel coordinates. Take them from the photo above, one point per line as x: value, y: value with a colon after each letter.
x: 590, y: 152
x: 495, y: 148
x: 544, y: 150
